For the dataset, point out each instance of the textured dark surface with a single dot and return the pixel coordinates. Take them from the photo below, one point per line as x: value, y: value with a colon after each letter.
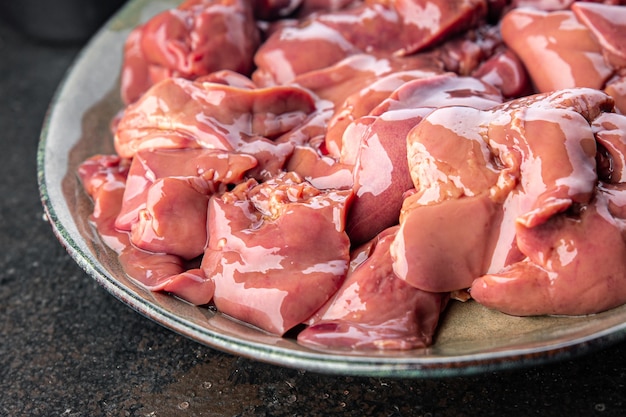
x: 68, y: 348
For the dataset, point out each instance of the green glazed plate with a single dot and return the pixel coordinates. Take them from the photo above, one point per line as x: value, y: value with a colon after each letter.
x: 470, y: 340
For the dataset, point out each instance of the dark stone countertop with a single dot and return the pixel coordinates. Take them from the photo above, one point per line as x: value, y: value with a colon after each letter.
x: 68, y: 348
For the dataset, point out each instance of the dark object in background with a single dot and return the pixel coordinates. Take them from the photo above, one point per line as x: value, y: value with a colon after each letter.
x: 58, y: 21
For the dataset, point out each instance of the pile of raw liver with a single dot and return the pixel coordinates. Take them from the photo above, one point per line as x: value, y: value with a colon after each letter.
x: 345, y: 168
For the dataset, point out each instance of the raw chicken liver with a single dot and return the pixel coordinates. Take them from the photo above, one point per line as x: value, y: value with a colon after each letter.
x: 337, y: 170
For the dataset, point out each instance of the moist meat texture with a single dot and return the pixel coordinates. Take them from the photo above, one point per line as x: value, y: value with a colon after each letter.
x: 339, y: 172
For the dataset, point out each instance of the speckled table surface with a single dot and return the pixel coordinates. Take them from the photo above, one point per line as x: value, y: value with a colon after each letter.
x: 68, y: 348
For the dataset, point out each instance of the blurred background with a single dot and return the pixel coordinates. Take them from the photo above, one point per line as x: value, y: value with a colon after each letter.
x: 58, y: 21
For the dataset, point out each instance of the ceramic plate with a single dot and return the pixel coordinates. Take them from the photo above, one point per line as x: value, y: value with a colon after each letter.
x: 471, y: 339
